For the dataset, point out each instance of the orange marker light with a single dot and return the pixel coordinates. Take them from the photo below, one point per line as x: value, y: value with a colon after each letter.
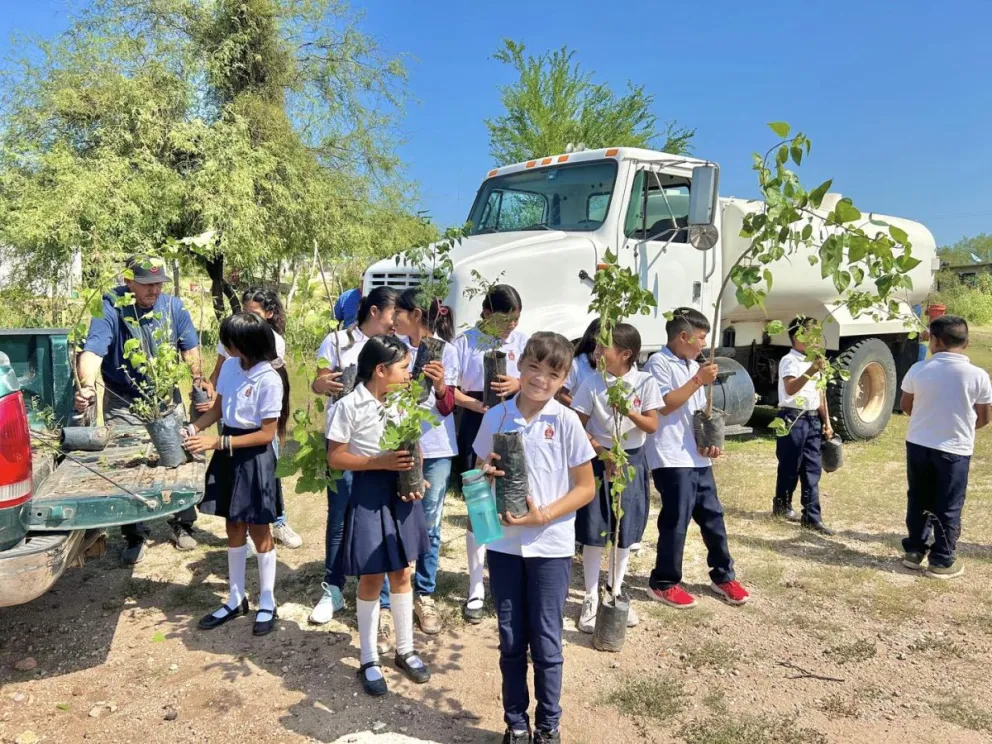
x: 612, y: 151
x: 493, y: 172
x: 546, y: 161
x: 531, y: 163
x: 562, y: 158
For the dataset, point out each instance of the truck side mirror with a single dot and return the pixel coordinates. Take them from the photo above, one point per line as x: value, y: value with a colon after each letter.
x: 703, y: 196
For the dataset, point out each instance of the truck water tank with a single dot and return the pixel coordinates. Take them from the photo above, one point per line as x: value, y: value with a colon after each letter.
x: 733, y: 392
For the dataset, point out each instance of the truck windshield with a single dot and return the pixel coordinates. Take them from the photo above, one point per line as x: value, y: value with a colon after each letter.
x: 566, y: 197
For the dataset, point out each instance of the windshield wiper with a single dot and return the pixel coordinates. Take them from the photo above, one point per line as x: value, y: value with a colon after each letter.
x: 536, y: 226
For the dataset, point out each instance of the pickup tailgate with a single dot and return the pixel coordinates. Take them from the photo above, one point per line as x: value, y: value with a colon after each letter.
x: 74, y: 497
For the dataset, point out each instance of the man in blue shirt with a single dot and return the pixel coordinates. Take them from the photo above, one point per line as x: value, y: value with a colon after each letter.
x: 103, y: 353
x: 346, y: 308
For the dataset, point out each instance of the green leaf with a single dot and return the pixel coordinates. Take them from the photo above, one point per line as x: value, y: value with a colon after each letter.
x: 768, y: 279
x: 845, y: 211
x: 907, y: 263
x: 774, y: 327
x: 159, y: 637
x: 797, y: 155
x: 807, y: 232
x: 817, y: 194
x: 898, y: 234
x: 780, y: 128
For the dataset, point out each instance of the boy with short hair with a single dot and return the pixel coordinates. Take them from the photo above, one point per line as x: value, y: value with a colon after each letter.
x: 530, y: 567
x: 682, y: 471
x: 947, y: 398
x: 804, y: 411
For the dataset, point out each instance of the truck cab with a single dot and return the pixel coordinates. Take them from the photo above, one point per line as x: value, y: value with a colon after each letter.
x: 545, y: 225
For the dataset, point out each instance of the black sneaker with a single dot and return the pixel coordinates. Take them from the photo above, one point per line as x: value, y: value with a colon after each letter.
x: 547, y: 737
x: 182, y: 537
x: 511, y: 737
x: 785, y: 512
x: 819, y: 527
x: 913, y: 561
x: 134, y: 553
x: 473, y: 615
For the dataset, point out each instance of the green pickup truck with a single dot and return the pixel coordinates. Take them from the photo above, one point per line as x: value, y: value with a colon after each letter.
x: 55, y: 509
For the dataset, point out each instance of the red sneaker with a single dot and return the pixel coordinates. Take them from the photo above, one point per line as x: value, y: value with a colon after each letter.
x: 731, y: 592
x: 674, y: 596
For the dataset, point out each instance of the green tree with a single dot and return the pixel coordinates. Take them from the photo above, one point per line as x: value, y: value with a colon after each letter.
x: 555, y: 102
x: 265, y: 124
x: 960, y: 253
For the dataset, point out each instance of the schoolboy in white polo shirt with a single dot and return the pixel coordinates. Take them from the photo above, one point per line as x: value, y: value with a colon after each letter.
x: 804, y: 411
x: 947, y: 398
x: 530, y: 567
x: 682, y: 471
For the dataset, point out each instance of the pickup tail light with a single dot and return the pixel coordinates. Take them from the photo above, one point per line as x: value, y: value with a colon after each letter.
x: 15, y: 452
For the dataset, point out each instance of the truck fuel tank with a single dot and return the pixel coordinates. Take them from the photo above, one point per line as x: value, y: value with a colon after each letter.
x: 733, y: 392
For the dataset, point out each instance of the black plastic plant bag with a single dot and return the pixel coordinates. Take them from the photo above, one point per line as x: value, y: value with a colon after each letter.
x: 513, y: 487
x: 494, y: 366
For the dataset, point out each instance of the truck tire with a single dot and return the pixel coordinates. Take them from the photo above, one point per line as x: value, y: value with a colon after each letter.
x: 860, y: 408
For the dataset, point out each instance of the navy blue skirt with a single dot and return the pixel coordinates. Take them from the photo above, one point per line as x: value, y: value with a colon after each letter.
x: 469, y: 423
x: 242, y: 487
x: 382, y: 533
x: 595, y: 521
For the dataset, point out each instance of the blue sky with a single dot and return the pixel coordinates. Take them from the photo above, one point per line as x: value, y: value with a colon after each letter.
x: 895, y: 96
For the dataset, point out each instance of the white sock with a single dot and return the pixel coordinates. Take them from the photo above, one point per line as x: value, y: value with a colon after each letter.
x: 402, y: 607
x: 368, y: 629
x: 592, y: 556
x: 621, y: 559
x: 237, y: 558
x: 476, y: 561
x: 267, y: 581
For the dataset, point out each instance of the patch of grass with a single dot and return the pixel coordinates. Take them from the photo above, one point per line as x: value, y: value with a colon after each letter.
x: 710, y: 653
x: 716, y: 701
x: 964, y: 713
x: 839, y: 706
x: 750, y: 729
x: 860, y: 650
x: 937, y: 645
x: 659, y: 698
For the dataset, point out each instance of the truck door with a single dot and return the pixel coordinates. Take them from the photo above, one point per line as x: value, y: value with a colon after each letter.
x: 655, y: 238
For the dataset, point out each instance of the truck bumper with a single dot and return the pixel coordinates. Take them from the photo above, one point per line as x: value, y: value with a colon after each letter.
x: 29, y: 569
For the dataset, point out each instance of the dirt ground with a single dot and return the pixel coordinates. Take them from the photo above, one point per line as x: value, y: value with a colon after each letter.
x: 839, y: 644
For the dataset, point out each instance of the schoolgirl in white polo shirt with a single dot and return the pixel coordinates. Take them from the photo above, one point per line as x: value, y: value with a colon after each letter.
x: 595, y: 523
x: 530, y: 567
x: 418, y: 318
x: 501, y: 309
x: 947, y: 398
x: 384, y: 530
x: 337, y: 352
x: 252, y: 404
x: 583, y: 363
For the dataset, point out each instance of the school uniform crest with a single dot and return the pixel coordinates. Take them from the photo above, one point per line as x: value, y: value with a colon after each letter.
x: 248, y: 391
x: 511, y: 356
x: 637, y: 402
x: 549, y: 433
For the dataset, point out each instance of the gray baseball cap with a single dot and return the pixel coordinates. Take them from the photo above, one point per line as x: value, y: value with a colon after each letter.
x: 147, y: 269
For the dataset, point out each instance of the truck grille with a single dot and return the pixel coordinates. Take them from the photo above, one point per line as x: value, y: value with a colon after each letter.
x: 394, y: 279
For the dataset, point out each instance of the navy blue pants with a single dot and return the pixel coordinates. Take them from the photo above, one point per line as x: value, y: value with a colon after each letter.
x: 337, y: 504
x: 530, y: 594
x: 938, y: 482
x: 689, y: 494
x: 799, y: 463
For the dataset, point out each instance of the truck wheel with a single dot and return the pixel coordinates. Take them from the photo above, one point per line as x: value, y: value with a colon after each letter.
x: 860, y: 407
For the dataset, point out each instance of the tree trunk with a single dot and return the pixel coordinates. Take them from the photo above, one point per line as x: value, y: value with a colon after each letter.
x: 220, y: 287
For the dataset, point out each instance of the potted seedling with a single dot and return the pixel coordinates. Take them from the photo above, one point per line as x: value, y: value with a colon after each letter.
x: 867, y: 260
x: 435, y: 267
x: 160, y: 371
x: 403, y: 430
x: 617, y: 295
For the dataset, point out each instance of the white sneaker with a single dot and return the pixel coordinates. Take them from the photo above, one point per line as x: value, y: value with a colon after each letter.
x: 331, y: 602
x: 286, y: 536
x: 587, y: 618
x: 632, y: 618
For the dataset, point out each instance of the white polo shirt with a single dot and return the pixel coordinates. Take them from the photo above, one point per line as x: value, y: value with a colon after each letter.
x: 248, y: 397
x: 794, y: 364
x: 440, y: 440
x: 554, y: 441
x: 674, y: 444
x: 472, y: 346
x: 359, y: 421
x: 328, y: 351
x: 578, y: 372
x: 945, y: 389
x: 590, y: 399
x: 280, y: 348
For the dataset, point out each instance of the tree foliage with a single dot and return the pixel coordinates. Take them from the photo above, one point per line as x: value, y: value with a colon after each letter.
x: 555, y: 102
x: 964, y: 251
x: 267, y: 123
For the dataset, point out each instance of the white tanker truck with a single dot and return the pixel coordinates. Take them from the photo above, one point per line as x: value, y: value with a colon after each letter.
x: 544, y: 226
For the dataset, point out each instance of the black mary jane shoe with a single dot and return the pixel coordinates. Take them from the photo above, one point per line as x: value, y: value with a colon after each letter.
x: 264, y: 627
x: 420, y: 675
x: 375, y: 688
x: 209, y: 622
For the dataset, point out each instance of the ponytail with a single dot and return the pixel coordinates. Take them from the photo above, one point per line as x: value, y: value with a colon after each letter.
x: 436, y: 317
x: 378, y: 350
x: 502, y: 300
x: 284, y: 414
